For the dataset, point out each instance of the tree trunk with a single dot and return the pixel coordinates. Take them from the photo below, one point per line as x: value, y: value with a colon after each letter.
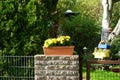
x: 107, y: 10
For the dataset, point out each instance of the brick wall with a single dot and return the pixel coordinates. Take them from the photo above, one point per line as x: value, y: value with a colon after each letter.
x: 56, y: 67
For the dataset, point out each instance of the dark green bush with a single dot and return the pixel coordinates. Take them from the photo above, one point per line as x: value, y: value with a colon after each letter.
x: 23, y: 27
x: 82, y: 30
x: 115, y: 48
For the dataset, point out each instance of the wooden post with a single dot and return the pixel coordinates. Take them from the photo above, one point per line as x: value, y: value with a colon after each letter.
x: 88, y: 70
x: 80, y: 69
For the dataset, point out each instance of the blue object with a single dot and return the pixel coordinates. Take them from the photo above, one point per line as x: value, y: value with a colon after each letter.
x: 104, y: 46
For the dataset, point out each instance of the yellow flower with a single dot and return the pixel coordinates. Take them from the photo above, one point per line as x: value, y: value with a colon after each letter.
x: 59, y: 41
x: 55, y: 40
x: 67, y: 37
x: 62, y: 38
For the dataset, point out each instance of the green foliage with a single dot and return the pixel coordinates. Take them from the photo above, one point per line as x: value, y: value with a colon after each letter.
x: 89, y: 8
x: 23, y: 24
x: 115, y: 47
x: 85, y: 28
x: 82, y: 30
x: 63, y: 5
x: 115, y: 14
x: 23, y: 27
x: 50, y: 8
x: 1, y: 66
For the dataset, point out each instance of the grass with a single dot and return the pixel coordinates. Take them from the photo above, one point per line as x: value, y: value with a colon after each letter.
x: 102, y: 74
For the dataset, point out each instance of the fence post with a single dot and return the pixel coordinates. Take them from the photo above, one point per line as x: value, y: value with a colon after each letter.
x: 88, y: 70
x: 80, y: 69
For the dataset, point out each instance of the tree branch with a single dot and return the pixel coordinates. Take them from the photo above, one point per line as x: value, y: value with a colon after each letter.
x: 115, y: 32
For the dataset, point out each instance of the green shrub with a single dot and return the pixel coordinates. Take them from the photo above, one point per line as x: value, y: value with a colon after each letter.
x: 82, y: 30
x: 23, y: 27
x: 115, y: 48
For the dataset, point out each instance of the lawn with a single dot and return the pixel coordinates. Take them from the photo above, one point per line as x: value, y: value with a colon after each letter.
x: 104, y: 75
x: 99, y: 74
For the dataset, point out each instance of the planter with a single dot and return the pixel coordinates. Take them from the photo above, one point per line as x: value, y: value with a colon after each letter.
x: 58, y: 50
x: 116, y: 70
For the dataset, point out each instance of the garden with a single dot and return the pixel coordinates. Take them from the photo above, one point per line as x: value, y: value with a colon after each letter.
x: 26, y: 24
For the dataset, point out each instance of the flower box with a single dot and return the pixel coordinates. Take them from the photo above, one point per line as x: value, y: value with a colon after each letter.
x: 58, y: 46
x: 58, y: 50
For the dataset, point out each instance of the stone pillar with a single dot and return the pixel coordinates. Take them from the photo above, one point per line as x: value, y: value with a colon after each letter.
x: 56, y: 67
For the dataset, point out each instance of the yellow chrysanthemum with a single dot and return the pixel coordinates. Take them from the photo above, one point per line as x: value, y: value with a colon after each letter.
x: 58, y: 39
x: 67, y: 37
x: 61, y: 40
x: 55, y: 40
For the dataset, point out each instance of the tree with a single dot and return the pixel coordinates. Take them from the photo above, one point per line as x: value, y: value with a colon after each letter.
x: 107, y: 11
x: 50, y: 6
x: 115, y: 32
x: 24, y: 26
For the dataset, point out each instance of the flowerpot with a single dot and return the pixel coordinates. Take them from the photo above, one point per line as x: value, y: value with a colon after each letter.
x: 58, y: 50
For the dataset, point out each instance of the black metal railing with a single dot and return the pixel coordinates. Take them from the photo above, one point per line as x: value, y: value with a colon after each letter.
x: 16, y: 67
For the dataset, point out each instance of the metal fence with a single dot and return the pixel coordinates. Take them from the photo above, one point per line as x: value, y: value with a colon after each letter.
x: 103, y: 70
x: 22, y: 68
x: 16, y: 67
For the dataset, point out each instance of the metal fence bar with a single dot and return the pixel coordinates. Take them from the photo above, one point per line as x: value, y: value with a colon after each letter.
x: 17, y: 68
